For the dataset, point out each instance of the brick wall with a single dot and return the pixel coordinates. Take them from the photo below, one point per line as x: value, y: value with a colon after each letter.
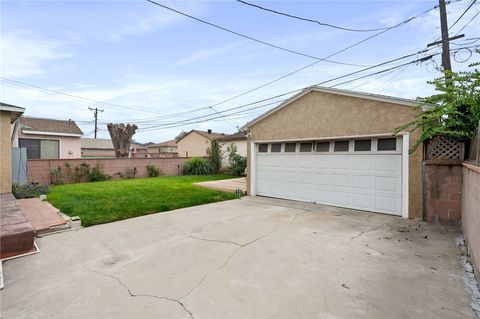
x: 443, y: 191
x: 38, y: 170
x: 471, y: 212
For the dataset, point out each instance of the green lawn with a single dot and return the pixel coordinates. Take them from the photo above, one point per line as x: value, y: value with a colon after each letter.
x: 103, y: 202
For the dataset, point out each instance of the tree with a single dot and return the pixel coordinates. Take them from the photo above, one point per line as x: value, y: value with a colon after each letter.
x: 452, y: 112
x: 215, y: 155
x: 121, y: 136
x: 180, y: 135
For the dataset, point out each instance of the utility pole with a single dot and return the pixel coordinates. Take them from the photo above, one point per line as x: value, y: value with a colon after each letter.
x: 447, y: 65
x: 95, y: 114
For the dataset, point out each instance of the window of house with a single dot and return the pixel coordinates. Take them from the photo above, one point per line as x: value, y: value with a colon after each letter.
x: 341, y: 146
x: 322, y: 147
x: 306, y: 147
x: 290, y: 147
x: 387, y: 144
x: 363, y: 145
x: 276, y: 148
x: 262, y: 148
x: 37, y: 148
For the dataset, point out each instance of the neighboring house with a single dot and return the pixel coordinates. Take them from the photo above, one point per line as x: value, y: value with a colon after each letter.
x: 97, y: 147
x: 48, y: 138
x: 238, y: 139
x: 102, y: 147
x: 164, y: 147
x: 8, y: 115
x: 337, y: 147
x: 195, y: 143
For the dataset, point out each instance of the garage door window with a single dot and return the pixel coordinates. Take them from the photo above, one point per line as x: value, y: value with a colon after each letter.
x: 262, y: 148
x: 387, y: 144
x: 341, y: 146
x: 363, y: 145
x: 306, y: 147
x: 322, y: 147
x: 276, y: 148
x: 290, y: 147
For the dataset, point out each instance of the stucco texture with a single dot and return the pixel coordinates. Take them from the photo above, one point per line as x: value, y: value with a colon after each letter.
x: 193, y: 145
x: 5, y: 153
x: 323, y: 115
x: 241, y: 150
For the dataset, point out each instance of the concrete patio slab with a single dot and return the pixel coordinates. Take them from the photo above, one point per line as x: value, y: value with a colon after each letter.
x: 226, y: 185
x: 247, y: 258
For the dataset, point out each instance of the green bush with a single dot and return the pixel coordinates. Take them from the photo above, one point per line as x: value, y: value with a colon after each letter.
x: 28, y: 190
x: 96, y: 175
x: 197, y: 166
x: 56, y: 176
x: 215, y: 155
x: 238, y: 163
x: 129, y: 173
x: 153, y: 171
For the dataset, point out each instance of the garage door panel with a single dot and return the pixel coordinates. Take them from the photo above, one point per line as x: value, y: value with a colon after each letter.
x: 367, y: 182
x: 362, y: 181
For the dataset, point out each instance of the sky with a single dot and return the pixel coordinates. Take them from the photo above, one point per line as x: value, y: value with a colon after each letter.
x: 145, y: 65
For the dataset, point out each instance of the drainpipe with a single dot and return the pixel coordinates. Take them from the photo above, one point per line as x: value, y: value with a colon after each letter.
x: 14, y: 133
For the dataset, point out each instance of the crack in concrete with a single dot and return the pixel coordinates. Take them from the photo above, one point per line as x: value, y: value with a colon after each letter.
x: 130, y: 292
x: 215, y: 240
x: 366, y: 231
x: 227, y: 260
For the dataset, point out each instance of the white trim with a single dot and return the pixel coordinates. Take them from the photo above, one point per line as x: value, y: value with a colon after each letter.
x: 253, y: 169
x: 405, y: 174
x: 366, y: 96
x: 328, y: 138
x: 50, y: 133
x: 12, y: 108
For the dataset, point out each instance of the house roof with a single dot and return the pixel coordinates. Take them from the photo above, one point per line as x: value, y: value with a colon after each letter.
x: 170, y: 143
x: 36, y: 124
x: 15, y: 111
x: 362, y: 95
x: 239, y: 136
x: 99, y: 143
x: 210, y: 136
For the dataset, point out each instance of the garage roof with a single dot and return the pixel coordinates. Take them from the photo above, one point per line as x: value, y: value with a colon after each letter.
x: 362, y: 95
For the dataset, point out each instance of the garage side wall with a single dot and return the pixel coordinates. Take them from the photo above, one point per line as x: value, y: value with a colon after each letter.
x: 325, y: 115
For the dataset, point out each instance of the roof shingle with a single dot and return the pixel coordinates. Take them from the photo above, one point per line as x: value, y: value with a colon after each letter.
x: 50, y: 125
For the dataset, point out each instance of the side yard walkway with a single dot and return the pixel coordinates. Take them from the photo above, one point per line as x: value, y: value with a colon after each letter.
x: 226, y: 185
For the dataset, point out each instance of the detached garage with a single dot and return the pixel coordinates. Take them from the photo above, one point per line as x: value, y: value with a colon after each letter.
x: 338, y: 148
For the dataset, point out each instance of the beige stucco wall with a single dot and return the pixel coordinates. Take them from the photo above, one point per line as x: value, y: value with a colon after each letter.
x: 70, y: 147
x: 471, y: 212
x: 5, y: 153
x: 162, y: 149
x: 241, y: 150
x: 194, y: 144
x: 322, y: 115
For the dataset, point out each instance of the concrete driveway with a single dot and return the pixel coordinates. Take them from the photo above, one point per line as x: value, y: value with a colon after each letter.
x: 248, y: 258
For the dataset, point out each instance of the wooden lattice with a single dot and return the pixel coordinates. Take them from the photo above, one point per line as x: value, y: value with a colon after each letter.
x: 445, y: 148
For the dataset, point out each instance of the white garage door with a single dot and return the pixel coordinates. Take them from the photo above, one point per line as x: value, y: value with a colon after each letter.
x: 362, y: 174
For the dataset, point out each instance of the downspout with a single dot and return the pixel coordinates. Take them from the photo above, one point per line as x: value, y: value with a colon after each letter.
x: 14, y: 133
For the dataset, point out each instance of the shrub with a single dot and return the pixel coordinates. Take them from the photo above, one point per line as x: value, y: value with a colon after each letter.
x: 197, y: 166
x: 28, y: 190
x: 97, y: 175
x: 129, y: 173
x: 215, y: 155
x: 56, y: 176
x: 238, y: 163
x: 153, y: 171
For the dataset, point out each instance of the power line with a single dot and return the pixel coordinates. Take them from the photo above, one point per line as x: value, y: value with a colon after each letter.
x: 206, y: 118
x: 85, y: 99
x: 464, y: 12
x: 313, y: 20
x: 284, y: 76
x: 247, y: 36
x: 470, y: 21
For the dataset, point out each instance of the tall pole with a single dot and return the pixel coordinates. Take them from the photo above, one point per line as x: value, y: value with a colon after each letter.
x: 95, y: 114
x: 447, y: 65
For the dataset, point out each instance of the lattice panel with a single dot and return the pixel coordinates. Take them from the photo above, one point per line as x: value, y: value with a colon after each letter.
x: 445, y: 148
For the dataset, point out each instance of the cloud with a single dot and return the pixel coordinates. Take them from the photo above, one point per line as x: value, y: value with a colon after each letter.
x: 205, y: 54
x: 23, y: 55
